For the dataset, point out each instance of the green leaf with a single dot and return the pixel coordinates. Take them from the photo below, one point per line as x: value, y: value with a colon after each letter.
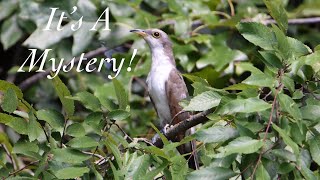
x: 9, y: 101
x: 262, y: 173
x: 83, y: 37
x: 62, y: 91
x: 118, y: 115
x: 314, y: 144
x: 179, y: 167
x: 4, y: 140
x: 216, y: 134
x: 138, y: 167
x: 71, y: 172
x: 68, y: 155
x: 311, y: 112
x: 288, y: 83
x: 95, y: 121
x: 54, y: 118
x: 288, y: 47
x: 5, y: 86
x: 34, y: 128
x: 261, y: 80
x: 105, y: 98
x: 88, y: 100
x: 10, y: 32
x: 21, y: 147
x: 223, y: 162
x: 278, y: 12
x: 271, y: 59
x: 18, y: 124
x: 115, y: 151
x: 241, y: 145
x: 41, y: 39
x: 286, y: 168
x: 297, y: 47
x: 312, y: 60
x: 82, y: 142
x: 121, y: 93
x: 76, y: 130
x: 284, y: 154
x: 288, y: 105
x: 217, y: 173
x: 7, y: 7
x: 258, y: 34
x: 214, y: 56
x: 287, y: 139
x: 204, y: 101
x: 304, y: 162
x: 152, y: 174
x: 240, y: 86
x: 249, y: 105
x: 30, y: 149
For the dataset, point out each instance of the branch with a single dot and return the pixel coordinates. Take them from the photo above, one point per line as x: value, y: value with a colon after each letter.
x: 268, y: 126
x: 183, y: 126
x: 312, y: 20
x: 23, y: 168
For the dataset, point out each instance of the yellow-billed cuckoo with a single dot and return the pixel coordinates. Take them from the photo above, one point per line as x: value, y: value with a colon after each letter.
x: 166, y: 86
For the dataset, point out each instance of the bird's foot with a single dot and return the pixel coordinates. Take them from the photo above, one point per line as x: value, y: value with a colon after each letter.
x: 162, y: 131
x: 165, y: 128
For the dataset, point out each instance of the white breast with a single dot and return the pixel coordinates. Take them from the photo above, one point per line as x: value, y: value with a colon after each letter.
x: 156, y: 80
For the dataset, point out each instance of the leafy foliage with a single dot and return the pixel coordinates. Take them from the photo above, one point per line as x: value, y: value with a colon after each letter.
x: 260, y: 81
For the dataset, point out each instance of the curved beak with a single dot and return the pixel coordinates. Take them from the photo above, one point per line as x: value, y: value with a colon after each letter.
x: 140, y: 32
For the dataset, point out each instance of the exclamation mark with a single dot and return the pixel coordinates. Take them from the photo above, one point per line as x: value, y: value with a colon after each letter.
x: 133, y: 55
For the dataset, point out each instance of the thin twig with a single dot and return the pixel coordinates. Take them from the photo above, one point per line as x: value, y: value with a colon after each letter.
x: 19, y: 170
x: 268, y: 126
x: 231, y: 7
x: 64, y: 129
x: 9, y: 155
x: 311, y: 20
x: 123, y: 131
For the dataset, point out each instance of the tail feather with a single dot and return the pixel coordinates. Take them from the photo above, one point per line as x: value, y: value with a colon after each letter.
x: 189, y: 148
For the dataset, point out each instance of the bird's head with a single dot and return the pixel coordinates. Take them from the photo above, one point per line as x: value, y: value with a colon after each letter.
x: 154, y: 37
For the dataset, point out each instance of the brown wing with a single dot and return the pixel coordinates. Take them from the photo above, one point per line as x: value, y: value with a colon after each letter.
x: 176, y: 90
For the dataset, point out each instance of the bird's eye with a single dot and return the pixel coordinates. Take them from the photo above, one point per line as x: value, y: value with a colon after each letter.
x: 156, y: 35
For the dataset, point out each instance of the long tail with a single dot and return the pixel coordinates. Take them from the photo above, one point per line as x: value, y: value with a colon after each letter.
x: 189, y: 148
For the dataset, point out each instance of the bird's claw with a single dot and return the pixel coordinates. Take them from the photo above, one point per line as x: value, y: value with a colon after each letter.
x: 165, y: 128
x: 162, y: 131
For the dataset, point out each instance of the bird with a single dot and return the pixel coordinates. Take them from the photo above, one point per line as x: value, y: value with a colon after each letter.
x: 167, y: 88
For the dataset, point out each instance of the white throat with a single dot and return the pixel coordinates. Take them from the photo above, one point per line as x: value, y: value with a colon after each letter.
x: 156, y: 80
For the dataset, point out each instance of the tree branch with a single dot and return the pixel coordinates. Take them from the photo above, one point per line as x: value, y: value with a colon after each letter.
x: 183, y: 126
x: 311, y: 20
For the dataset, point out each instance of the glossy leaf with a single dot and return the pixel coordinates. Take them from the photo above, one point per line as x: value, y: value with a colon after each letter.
x: 52, y: 117
x: 88, y: 100
x: 10, y: 101
x: 63, y: 91
x: 211, y: 172
x: 258, y: 34
x: 82, y: 142
x: 204, y: 101
x: 244, y: 106
x: 216, y: 134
